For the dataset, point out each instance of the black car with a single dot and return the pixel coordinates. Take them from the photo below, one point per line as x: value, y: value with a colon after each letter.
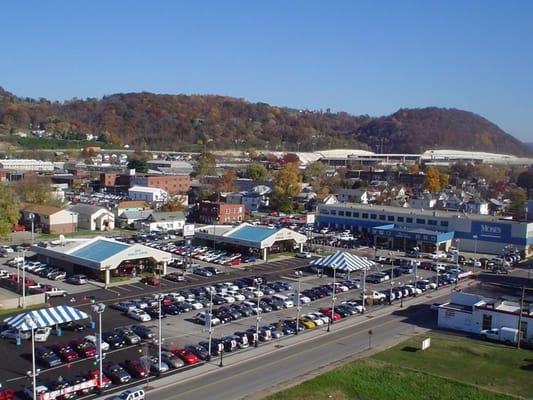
x: 114, y: 339
x: 153, y: 312
x: 250, y: 334
x: 222, y: 315
x: 171, y: 309
x: 265, y: 307
x: 345, y: 311
x: 215, y: 348
x: 199, y: 351
x: 73, y: 327
x: 46, y: 357
x: 117, y: 374
x: 234, y: 314
x: 213, y: 270
x: 144, y: 332
x: 291, y: 323
x: 230, y: 344
x: 273, y: 303
x: 218, y: 300
x: 184, y: 307
x: 244, y: 310
x: 240, y: 283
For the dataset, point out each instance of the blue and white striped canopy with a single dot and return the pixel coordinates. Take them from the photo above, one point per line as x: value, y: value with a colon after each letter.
x: 344, y: 261
x: 45, y: 317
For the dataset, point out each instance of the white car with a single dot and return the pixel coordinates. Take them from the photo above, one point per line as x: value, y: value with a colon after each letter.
x: 139, y: 315
x: 319, y: 315
x: 315, y: 318
x: 304, y: 254
x: 236, y: 295
x: 229, y: 299
x: 92, y: 339
x: 42, y: 334
x: 196, y: 305
x: 203, y: 317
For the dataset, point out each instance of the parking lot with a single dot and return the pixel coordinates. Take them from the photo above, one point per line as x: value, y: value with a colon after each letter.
x: 179, y: 331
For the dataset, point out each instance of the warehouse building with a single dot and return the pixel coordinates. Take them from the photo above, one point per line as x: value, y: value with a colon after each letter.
x: 471, y: 232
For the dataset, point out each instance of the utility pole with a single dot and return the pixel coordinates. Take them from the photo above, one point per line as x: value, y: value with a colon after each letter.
x: 520, y: 317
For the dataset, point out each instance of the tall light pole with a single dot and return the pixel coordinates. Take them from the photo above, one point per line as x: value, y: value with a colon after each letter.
x: 31, y: 322
x: 31, y: 216
x: 363, y: 297
x: 298, y: 302
x: 333, y: 293
x: 258, y: 317
x: 475, y: 248
x: 23, y: 280
x: 160, y: 339
x: 210, y: 316
x: 99, y: 309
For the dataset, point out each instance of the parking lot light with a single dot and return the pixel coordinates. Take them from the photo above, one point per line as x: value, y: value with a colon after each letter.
x: 298, y: 302
x: 99, y: 309
x: 258, y: 317
x: 210, y: 316
x: 31, y: 322
x: 332, y: 311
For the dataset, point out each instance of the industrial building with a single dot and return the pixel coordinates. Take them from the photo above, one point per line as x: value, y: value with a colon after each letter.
x: 470, y: 232
x: 26, y: 165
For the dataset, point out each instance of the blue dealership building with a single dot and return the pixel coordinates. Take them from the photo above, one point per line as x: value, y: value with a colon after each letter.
x: 402, y: 228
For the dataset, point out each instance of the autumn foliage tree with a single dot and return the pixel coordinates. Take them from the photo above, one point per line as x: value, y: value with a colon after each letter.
x: 286, y: 186
x: 226, y: 182
x: 432, y: 179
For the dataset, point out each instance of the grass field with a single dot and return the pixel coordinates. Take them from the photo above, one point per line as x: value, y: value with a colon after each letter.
x: 453, y: 368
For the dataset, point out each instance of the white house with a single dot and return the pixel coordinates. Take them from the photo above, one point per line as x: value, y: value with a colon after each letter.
x: 360, y: 195
x: 162, y: 221
x: 476, y: 206
x: 149, y: 194
x: 94, y: 218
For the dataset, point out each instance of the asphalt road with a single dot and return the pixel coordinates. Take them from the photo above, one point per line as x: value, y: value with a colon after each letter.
x: 256, y: 377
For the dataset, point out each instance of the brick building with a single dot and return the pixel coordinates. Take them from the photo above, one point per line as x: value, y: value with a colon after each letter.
x: 170, y: 183
x: 223, y: 213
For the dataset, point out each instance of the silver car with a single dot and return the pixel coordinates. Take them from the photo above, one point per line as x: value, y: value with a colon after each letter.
x: 153, y: 361
x: 170, y: 359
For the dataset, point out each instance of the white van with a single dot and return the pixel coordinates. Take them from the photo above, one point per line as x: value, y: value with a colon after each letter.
x: 287, y: 303
x: 135, y: 393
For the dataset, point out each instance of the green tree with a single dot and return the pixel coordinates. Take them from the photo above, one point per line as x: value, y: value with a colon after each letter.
x: 9, y: 209
x: 138, y: 164
x: 432, y: 179
x: 256, y: 172
x: 34, y: 189
x: 205, y: 165
x: 314, y: 171
x: 518, y: 199
x: 525, y: 181
x: 226, y: 182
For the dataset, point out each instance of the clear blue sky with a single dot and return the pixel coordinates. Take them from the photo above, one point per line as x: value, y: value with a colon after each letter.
x: 363, y: 57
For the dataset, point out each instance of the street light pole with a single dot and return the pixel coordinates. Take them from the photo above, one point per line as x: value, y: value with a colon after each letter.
x: 475, y: 248
x: 363, y: 297
x: 298, y: 302
x: 30, y: 321
x: 258, y: 318
x: 99, y: 309
x: 330, y: 321
x: 23, y: 280
x: 210, y: 324
x: 160, y: 340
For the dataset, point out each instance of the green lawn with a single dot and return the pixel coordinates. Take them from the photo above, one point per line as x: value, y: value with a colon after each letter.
x: 453, y: 368
x: 13, y: 311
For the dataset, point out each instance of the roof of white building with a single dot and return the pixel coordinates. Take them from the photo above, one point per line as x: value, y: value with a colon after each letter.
x: 146, y: 189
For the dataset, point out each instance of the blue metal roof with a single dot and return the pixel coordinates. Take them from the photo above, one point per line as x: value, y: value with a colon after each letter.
x: 253, y: 233
x: 99, y: 250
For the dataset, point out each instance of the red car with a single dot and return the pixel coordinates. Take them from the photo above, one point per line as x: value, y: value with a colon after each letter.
x: 186, y: 356
x: 17, y: 228
x: 65, y: 352
x: 151, y: 280
x: 6, y: 393
x: 236, y: 261
x: 94, y: 373
x: 83, y: 348
x: 136, y: 368
x: 327, y: 311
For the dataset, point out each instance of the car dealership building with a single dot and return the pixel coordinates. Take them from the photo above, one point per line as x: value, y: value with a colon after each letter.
x: 468, y: 232
x: 102, y: 257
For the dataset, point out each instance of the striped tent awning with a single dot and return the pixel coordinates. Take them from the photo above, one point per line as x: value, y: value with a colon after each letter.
x: 344, y: 261
x: 45, y: 317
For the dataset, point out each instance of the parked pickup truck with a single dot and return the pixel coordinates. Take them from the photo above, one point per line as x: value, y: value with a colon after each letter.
x: 54, y: 292
x: 503, y: 334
